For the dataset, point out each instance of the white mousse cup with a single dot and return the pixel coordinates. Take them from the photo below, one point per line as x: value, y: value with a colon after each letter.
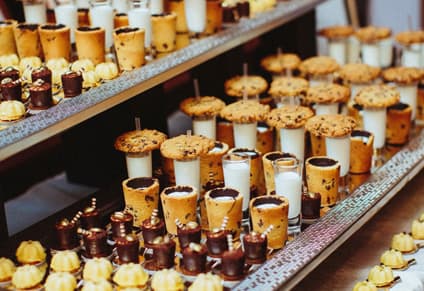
x: 374, y: 120
x: 337, y: 49
x: 370, y: 54
x: 195, y: 13
x: 338, y: 148
x: 205, y: 126
x: 408, y: 95
x: 292, y: 141
x: 245, y: 135
x: 139, y: 164
x: 187, y: 172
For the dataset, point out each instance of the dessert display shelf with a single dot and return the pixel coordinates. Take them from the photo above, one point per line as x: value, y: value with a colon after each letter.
x: 25, y: 133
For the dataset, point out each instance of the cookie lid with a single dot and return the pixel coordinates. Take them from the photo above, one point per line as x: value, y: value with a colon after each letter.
x: 403, y: 75
x: 278, y: 63
x: 377, y: 96
x: 330, y: 125
x: 320, y: 65
x: 205, y: 106
x: 245, y: 111
x: 371, y: 33
x: 358, y: 73
x: 337, y: 31
x: 410, y: 37
x: 288, y: 86
x: 289, y: 116
x: 140, y: 141
x: 186, y: 147
x: 327, y: 93
x: 253, y: 85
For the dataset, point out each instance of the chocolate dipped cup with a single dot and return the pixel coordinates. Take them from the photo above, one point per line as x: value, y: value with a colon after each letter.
x: 189, y: 233
x: 216, y: 241
x: 127, y: 248
x: 90, y: 218
x: 11, y: 90
x: 95, y: 243
x: 163, y: 252
x: 194, y: 259
x: 9, y: 72
x: 42, y: 73
x: 255, y: 247
x: 232, y: 264
x: 72, y: 84
x: 40, y: 94
x: 66, y: 237
x: 152, y: 228
x: 121, y: 224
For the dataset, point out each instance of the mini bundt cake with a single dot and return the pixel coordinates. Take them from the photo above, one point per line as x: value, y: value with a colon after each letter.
x: 30, y: 62
x: 100, y: 285
x: 62, y: 281
x: 65, y: 261
x: 207, y: 282
x: 30, y: 252
x: 131, y: 275
x: 403, y: 242
x: 54, y: 64
x: 11, y: 110
x: 380, y: 275
x: 107, y: 71
x: 167, y: 280
x: 27, y: 277
x: 90, y: 79
x: 84, y: 65
x: 393, y: 259
x: 97, y: 269
x: 7, y: 268
x: 417, y: 229
x: 364, y: 286
x: 9, y: 60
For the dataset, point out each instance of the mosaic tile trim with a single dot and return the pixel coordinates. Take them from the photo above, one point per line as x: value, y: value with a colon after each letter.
x: 281, y: 14
x: 297, y: 254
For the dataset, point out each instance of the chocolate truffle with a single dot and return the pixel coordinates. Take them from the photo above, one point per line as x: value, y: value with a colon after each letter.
x: 127, y: 248
x: 72, y: 84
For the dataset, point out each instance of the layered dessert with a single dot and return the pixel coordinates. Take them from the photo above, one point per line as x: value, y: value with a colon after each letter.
x: 194, y: 259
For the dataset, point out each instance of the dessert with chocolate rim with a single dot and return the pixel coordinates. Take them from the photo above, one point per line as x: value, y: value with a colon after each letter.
x: 9, y: 72
x: 194, y: 259
x: 72, y: 84
x: 66, y: 237
x: 42, y: 73
x: 127, y: 248
x: 232, y: 263
x: 188, y: 233
x: 11, y: 89
x: 163, y: 254
x: 151, y: 228
x: 121, y: 224
x: 40, y: 94
x: 243, y: 8
x: 90, y: 217
x: 311, y: 205
x: 216, y: 241
x: 95, y: 242
x: 255, y: 247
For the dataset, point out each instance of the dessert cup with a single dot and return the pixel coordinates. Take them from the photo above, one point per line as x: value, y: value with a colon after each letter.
x: 67, y: 13
x: 267, y: 160
x: 318, y: 145
x: 127, y: 248
x: 101, y: 15
x: 398, y: 124
x: 292, y: 141
x: 188, y: 233
x: 35, y: 11
x: 164, y: 32
x: 40, y: 96
x: 121, y: 224
x: 244, y: 135
x: 211, y: 164
x: 72, y: 84
x: 214, y: 16
x: 11, y: 90
x: 265, y: 138
x: 370, y: 54
x: 255, y: 248
x: 177, y: 7
x: 205, y: 126
x: 195, y: 14
x: 361, y: 151
x: 90, y: 43
x: 7, y: 39
x: 187, y: 172
x: 27, y: 40
x: 129, y: 47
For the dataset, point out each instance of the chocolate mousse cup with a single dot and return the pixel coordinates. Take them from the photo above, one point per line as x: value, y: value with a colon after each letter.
x: 255, y: 247
x: 216, y: 241
x: 164, y: 254
x: 194, y: 259
x: 9, y: 72
x: 27, y: 40
x: 190, y: 233
x: 11, y: 90
x: 121, y: 224
x: 152, y: 229
x: 40, y: 95
x: 55, y: 41
x: 232, y: 264
x: 72, y: 84
x: 127, y: 248
x: 42, y: 73
x: 66, y: 237
x: 95, y: 242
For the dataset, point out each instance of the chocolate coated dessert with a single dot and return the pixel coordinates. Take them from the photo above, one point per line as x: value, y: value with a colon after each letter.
x: 255, y: 247
x: 40, y: 94
x: 127, y: 248
x: 243, y: 9
x: 95, y: 242
x: 11, y: 90
x: 229, y: 14
x: 163, y: 252
x: 216, y: 241
x: 152, y: 229
x: 311, y: 204
x: 42, y: 73
x: 191, y: 232
x: 232, y: 264
x: 72, y: 84
x: 90, y: 218
x: 9, y: 72
x: 194, y: 259
x: 66, y: 235
x: 121, y: 224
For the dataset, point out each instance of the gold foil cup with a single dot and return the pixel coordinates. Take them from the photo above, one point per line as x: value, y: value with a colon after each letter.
x: 27, y: 40
x: 398, y: 124
x: 164, y: 32
x: 90, y: 44
x: 129, y: 46
x: 213, y: 16
x: 120, y: 20
x: 361, y: 151
x: 225, y: 133
x: 141, y: 196
x: 177, y: 7
x: 267, y: 160
x: 178, y: 206
x: 322, y: 176
x: 56, y: 41
x: 317, y: 145
x: 221, y: 202
x: 7, y: 38
x: 265, y: 139
x: 277, y: 215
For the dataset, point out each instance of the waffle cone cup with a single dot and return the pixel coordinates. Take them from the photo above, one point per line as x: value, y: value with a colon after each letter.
x: 214, y: 16
x: 129, y: 46
x: 90, y: 44
x: 178, y: 8
x: 27, y: 40
x: 56, y: 41
x: 361, y: 155
x: 7, y: 38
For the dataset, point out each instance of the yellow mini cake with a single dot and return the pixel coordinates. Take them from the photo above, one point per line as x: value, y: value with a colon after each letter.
x: 393, y: 259
x: 207, y: 282
x: 54, y: 64
x: 167, y: 280
x: 380, y: 275
x: 11, y: 110
x: 403, y: 242
x: 65, y: 261
x: 97, y: 269
x: 417, y: 228
x: 27, y: 277
x: 100, y: 285
x: 107, y: 71
x: 7, y: 268
x: 131, y: 275
x: 84, y: 65
x: 30, y: 252
x: 30, y: 62
x: 90, y: 79
x: 60, y: 281
x: 9, y: 60
x: 364, y: 286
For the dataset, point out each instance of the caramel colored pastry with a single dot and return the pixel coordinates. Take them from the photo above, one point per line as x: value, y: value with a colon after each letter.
x: 358, y: 73
x: 167, y: 280
x: 245, y: 111
x: 327, y: 93
x: 177, y: 7
x: 11, y: 110
x: 7, y: 38
x: 90, y: 44
x: 205, y: 106
x: 30, y: 62
x: 83, y: 65
x: 337, y: 31
x: 129, y: 46
x: 407, y: 38
x: 9, y: 60
x: 185, y: 147
x: 398, y: 124
x: 58, y: 63
x: 164, y: 32
x: 30, y: 252
x: 107, y: 70
x: 140, y: 141
x: 97, y: 269
x: 60, y: 281
x: 207, y: 282
x: 55, y: 41
x: 361, y: 151
x: 403, y: 75
x: 100, y: 285
x: 372, y: 34
x: 7, y: 268
x: 318, y: 66
x: 288, y: 87
x: 403, y: 242
x: 65, y: 261
x: 417, y: 229
x: 130, y: 275
x: 120, y: 20
x: 364, y: 286
x: 330, y: 125
x: 377, y: 96
x: 393, y: 259
x: 380, y: 275
x: 252, y: 85
x: 289, y: 116
x: 280, y: 63
x: 27, y: 277
x: 27, y: 40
